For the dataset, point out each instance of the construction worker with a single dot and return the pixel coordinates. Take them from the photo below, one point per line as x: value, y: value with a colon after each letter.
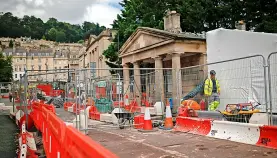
x: 212, y: 91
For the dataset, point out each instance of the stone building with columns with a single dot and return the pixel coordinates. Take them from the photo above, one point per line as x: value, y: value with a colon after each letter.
x: 160, y: 49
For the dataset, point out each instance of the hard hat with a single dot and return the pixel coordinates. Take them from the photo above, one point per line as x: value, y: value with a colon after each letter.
x: 212, y: 72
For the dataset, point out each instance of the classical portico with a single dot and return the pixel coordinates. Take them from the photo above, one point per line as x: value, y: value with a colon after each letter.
x: 167, y: 48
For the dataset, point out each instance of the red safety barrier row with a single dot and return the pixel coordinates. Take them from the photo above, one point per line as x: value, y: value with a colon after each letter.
x: 265, y: 136
x: 60, y: 140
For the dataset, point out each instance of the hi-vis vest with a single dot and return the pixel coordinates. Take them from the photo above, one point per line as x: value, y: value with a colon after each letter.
x: 208, y: 89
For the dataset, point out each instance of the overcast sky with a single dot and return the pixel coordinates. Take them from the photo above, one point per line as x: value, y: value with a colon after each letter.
x: 72, y: 11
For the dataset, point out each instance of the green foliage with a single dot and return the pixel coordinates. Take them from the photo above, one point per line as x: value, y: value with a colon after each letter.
x: 5, y: 68
x: 30, y: 26
x: 196, y: 16
x: 81, y: 41
x: 11, y: 44
x: 43, y: 37
x: 60, y: 36
x: 52, y: 33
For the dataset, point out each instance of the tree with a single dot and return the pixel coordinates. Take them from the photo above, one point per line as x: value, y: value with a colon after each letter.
x: 60, y: 36
x: 11, y: 44
x: 31, y: 26
x: 52, y: 33
x: 6, y: 69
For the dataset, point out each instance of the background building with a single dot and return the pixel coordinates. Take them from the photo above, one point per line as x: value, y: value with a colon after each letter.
x: 93, y: 57
x: 42, y: 57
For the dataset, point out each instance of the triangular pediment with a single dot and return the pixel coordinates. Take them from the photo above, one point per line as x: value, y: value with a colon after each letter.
x: 142, y: 39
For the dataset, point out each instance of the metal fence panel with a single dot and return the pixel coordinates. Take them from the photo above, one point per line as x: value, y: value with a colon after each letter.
x: 241, y: 81
x: 272, y: 82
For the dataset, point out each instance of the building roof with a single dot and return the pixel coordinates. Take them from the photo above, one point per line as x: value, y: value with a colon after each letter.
x: 40, y: 52
x: 184, y: 35
x: 16, y: 52
x: 167, y: 34
x: 106, y: 32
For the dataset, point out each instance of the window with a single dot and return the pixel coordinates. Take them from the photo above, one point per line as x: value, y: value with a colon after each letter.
x: 20, y: 75
x: 39, y: 54
x: 93, y: 67
x: 15, y: 69
x: 20, y: 58
x: 39, y: 67
x: 24, y: 54
x: 32, y: 67
x: 19, y: 68
x: 17, y: 54
x: 15, y: 75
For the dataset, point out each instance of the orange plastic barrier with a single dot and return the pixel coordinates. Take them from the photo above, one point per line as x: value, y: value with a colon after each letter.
x: 60, y: 140
x: 79, y: 145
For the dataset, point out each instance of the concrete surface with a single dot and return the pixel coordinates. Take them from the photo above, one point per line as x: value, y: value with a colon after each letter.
x: 65, y: 115
x: 129, y: 142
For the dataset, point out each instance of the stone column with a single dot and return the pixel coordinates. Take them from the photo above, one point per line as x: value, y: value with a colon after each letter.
x: 202, y: 61
x: 159, y: 80
x: 126, y: 79
x: 137, y: 82
x: 176, y: 81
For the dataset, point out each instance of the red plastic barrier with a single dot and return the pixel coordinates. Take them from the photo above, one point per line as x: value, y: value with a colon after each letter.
x: 77, y: 145
x: 268, y: 137
x: 5, y: 96
x: 133, y: 107
x: 56, y: 131
x: 193, y: 125
x: 139, y: 121
x: 66, y: 105
x: 94, y: 114
x: 23, y: 107
x: 77, y: 109
x: 60, y: 140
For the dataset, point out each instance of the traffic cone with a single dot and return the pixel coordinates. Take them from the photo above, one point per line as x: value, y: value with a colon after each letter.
x: 168, y: 123
x: 147, y: 123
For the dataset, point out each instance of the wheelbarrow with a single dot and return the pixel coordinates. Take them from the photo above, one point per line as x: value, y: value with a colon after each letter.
x: 241, y: 112
x: 123, y: 116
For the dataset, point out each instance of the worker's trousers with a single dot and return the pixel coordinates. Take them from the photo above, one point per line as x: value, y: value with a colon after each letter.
x: 214, y: 101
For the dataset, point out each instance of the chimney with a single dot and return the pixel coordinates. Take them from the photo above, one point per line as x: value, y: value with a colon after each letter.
x: 172, y: 22
x: 240, y: 25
